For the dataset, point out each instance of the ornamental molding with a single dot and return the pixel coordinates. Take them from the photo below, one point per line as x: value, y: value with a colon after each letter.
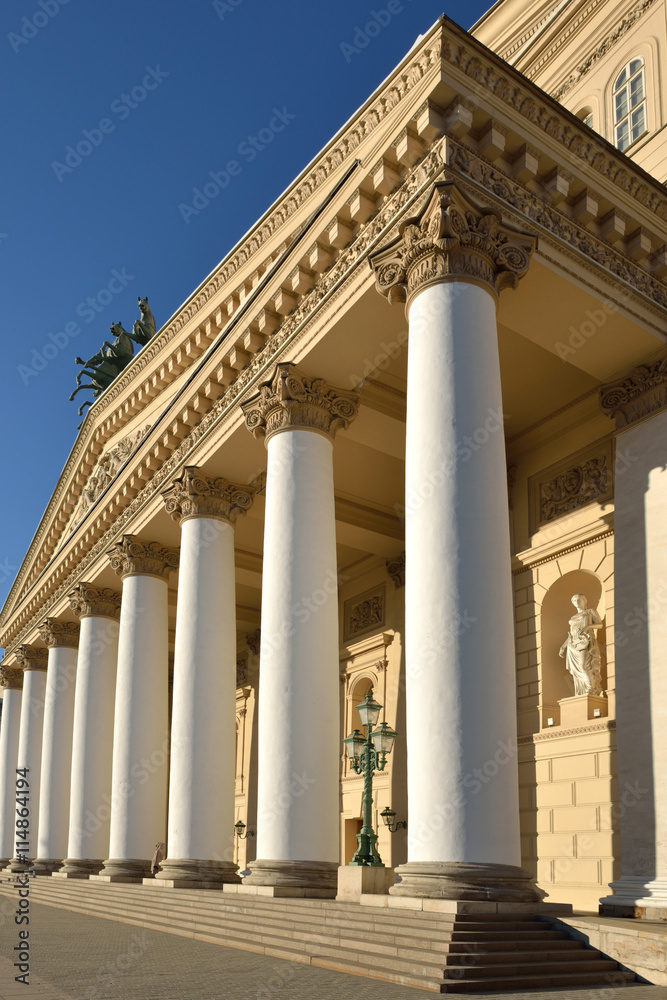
x: 89, y: 601
x: 583, y: 478
x: 105, y: 471
x: 639, y: 394
x: 453, y: 238
x: 556, y: 734
x: 57, y: 635
x: 555, y: 223
x: 132, y: 556
x: 602, y: 49
x: 195, y: 494
x: 293, y: 400
x: 488, y: 75
x: 11, y: 679
x: 396, y: 570
x: 364, y: 612
x: 32, y: 657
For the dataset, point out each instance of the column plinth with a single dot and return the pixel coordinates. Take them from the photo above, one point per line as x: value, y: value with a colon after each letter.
x: 93, y: 729
x: 448, y: 265
x: 141, y: 734
x: 200, y: 838
x: 11, y: 680
x: 298, y: 748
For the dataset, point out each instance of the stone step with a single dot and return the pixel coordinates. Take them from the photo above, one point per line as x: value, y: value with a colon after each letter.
x: 566, y: 944
x: 536, y: 935
x: 531, y: 982
x: 536, y: 969
x: 479, y: 959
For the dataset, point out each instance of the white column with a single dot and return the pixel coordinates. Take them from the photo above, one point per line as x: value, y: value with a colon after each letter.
x: 11, y: 680
x: 299, y: 739
x: 200, y: 838
x: 32, y: 660
x: 141, y: 726
x: 93, y: 727
x: 62, y: 640
x: 463, y: 833
x: 640, y: 641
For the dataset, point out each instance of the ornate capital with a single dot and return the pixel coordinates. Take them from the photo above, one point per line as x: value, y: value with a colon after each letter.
x: 88, y: 601
x: 452, y: 239
x: 195, y: 495
x: 643, y: 392
x: 55, y: 634
x: 133, y: 556
x: 32, y: 657
x: 396, y: 570
x: 11, y: 678
x: 292, y: 399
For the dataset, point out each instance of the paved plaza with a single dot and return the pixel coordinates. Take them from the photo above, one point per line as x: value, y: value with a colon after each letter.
x: 79, y: 957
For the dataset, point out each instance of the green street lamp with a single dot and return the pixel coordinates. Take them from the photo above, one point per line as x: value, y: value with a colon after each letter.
x: 388, y: 816
x: 368, y: 754
x: 241, y: 832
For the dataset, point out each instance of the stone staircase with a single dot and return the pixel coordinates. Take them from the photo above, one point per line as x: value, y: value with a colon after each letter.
x: 433, y: 951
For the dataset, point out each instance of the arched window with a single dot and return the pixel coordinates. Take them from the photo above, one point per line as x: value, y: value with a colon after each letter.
x: 586, y: 116
x: 629, y: 104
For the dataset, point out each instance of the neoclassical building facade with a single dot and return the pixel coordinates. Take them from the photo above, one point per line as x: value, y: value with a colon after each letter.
x: 408, y: 418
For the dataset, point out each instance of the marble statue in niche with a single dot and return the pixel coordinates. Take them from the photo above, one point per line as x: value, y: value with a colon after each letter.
x: 581, y: 651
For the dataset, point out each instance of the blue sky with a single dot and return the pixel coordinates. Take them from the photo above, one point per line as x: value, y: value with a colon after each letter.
x: 155, y: 97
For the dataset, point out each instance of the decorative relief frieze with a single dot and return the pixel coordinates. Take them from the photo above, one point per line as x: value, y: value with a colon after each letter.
x: 32, y: 657
x: 253, y: 639
x: 365, y: 612
x: 56, y: 634
x: 241, y: 670
x: 292, y: 399
x: 133, y: 556
x: 105, y: 471
x: 642, y: 392
x: 452, y: 239
x: 194, y: 494
x: 88, y: 601
x: 396, y: 570
x: 583, y: 478
x: 11, y: 679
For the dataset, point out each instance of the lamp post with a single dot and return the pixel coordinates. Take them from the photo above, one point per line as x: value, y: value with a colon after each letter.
x: 366, y: 755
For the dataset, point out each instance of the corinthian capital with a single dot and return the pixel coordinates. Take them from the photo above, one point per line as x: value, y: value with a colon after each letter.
x: 32, y: 657
x: 453, y: 239
x: 292, y: 399
x: 133, y: 556
x: 11, y: 678
x: 54, y: 633
x: 195, y: 495
x: 88, y: 601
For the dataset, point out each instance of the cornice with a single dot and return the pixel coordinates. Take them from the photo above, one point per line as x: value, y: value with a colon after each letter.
x: 606, y: 725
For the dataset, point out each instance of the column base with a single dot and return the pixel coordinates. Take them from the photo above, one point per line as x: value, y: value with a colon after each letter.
x: 305, y: 876
x: 461, y: 880
x: 46, y: 866
x: 124, y: 870
x: 79, y: 868
x: 197, y: 874
x: 16, y: 867
x: 636, y: 899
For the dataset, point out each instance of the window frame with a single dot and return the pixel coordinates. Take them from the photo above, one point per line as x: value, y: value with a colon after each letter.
x: 629, y: 109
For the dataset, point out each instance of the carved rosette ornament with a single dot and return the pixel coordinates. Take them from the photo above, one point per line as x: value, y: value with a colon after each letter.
x: 11, y: 678
x: 133, y: 556
x: 292, y: 399
x: 452, y: 239
x: 32, y: 657
x: 642, y: 392
x: 195, y: 495
x: 54, y: 633
x: 88, y: 601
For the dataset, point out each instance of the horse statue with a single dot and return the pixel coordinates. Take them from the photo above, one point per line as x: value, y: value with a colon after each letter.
x: 104, y: 366
x: 143, y: 329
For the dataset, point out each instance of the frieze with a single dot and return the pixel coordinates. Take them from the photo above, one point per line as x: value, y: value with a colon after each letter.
x: 574, y: 482
x: 365, y: 612
x: 642, y: 392
x: 254, y: 639
x: 194, y: 494
x: 241, y: 670
x: 105, y: 472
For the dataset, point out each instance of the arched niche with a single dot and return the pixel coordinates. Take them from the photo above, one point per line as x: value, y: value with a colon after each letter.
x: 363, y: 685
x: 557, y: 609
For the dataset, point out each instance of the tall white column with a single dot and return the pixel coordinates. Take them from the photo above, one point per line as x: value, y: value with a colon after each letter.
x: 299, y: 739
x: 32, y: 660
x: 448, y: 265
x: 639, y: 403
x: 141, y: 725
x: 11, y: 680
x: 200, y: 837
x: 93, y: 728
x: 62, y: 640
